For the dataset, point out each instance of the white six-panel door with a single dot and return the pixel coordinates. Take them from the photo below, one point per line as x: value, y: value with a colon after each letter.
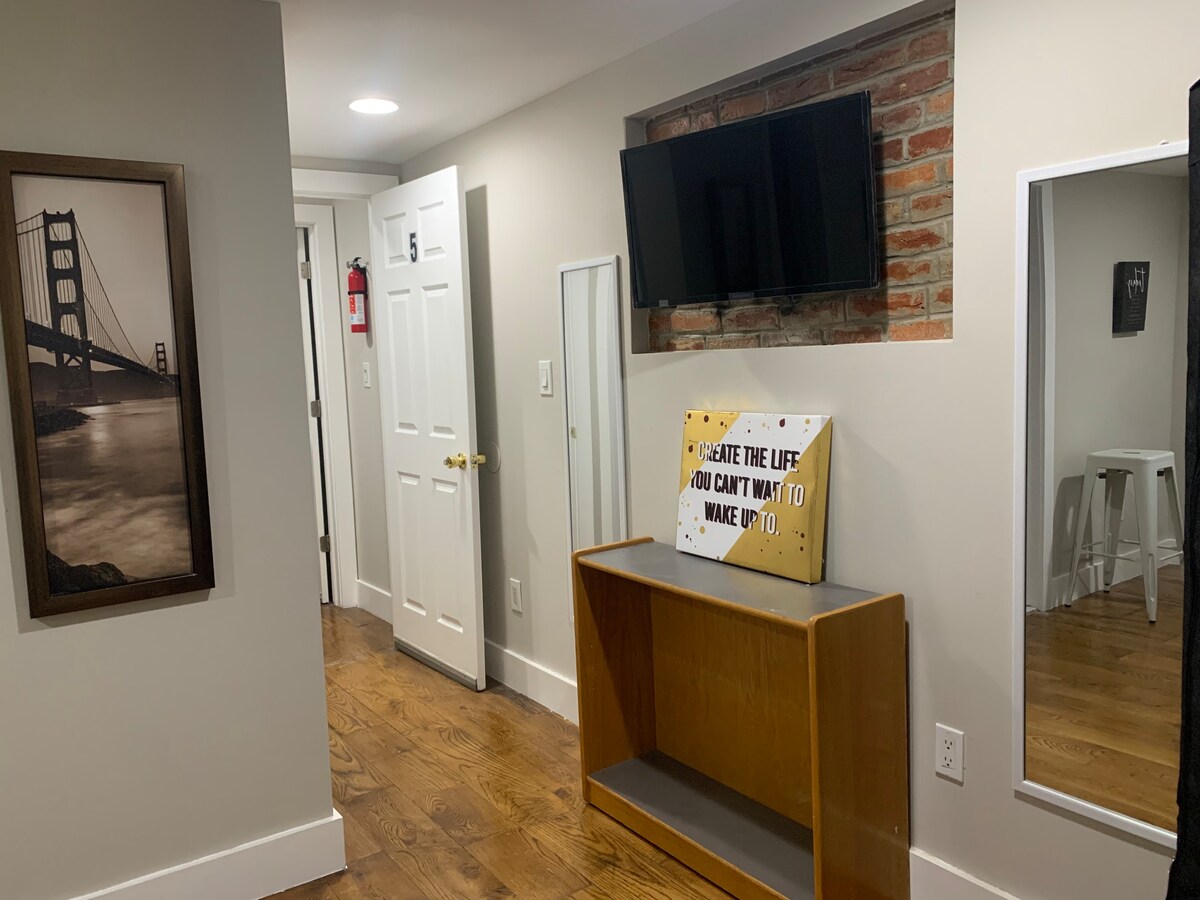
x: 421, y: 318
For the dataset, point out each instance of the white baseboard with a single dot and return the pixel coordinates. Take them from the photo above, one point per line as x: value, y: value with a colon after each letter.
x: 374, y: 600
x: 247, y: 872
x: 934, y: 879
x: 534, y: 680
x: 1091, y: 581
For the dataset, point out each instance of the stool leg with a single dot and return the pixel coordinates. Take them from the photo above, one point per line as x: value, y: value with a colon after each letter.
x: 1081, y: 515
x: 1173, y: 506
x: 1145, y: 494
x: 1114, y: 504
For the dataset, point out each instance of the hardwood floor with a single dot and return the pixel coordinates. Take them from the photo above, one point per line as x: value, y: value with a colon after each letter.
x: 1102, y: 691
x: 451, y: 794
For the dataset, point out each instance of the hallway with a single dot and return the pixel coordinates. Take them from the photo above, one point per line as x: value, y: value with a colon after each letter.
x: 448, y: 793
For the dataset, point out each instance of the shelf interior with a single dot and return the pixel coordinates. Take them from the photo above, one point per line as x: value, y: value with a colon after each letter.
x: 769, y: 847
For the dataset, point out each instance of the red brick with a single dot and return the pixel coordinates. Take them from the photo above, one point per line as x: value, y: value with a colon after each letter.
x: 705, y: 119
x: 892, y: 151
x: 669, y: 343
x: 731, y: 341
x: 910, y: 271
x: 669, y: 128
x: 893, y: 304
x: 894, y: 212
x: 869, y: 64
x: 801, y: 337
x: 943, y: 300
x: 925, y: 330
x: 856, y: 334
x: 903, y: 85
x: 904, y: 241
x: 931, y: 206
x: 744, y: 106
x: 928, y: 45
x: 814, y: 312
x: 911, y: 178
x: 797, y: 89
x: 901, y: 304
x: 750, y: 318
x: 935, y: 140
x: 939, y: 106
x: 898, y: 118
x: 684, y: 320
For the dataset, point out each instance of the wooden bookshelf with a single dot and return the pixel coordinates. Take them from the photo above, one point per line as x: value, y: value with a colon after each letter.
x: 754, y: 728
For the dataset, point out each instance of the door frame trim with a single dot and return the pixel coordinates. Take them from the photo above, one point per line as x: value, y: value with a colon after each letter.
x: 335, y: 413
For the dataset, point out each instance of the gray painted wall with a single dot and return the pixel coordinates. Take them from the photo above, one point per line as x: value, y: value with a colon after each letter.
x: 366, y: 430
x: 922, y: 494
x: 148, y: 735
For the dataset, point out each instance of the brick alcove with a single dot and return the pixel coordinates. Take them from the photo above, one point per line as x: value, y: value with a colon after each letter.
x: 910, y: 74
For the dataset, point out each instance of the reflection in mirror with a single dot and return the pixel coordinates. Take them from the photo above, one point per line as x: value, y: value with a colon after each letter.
x: 594, y: 402
x: 1107, y: 363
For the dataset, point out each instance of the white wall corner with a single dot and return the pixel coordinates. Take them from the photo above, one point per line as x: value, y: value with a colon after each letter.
x: 935, y: 879
x: 247, y: 872
x: 535, y: 681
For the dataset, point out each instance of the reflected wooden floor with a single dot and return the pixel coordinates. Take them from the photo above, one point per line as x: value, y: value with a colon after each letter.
x: 450, y: 794
x: 1102, y: 690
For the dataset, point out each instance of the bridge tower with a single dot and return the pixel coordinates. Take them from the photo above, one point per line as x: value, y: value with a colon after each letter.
x: 160, y: 359
x: 68, y: 308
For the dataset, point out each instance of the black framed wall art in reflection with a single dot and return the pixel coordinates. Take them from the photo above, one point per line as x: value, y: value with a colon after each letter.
x: 100, y: 348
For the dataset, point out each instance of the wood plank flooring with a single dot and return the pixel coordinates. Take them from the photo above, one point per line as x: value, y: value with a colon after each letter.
x: 449, y: 794
x: 1102, y: 692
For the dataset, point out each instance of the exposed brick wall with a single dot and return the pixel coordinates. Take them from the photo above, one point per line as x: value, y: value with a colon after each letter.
x: 910, y: 74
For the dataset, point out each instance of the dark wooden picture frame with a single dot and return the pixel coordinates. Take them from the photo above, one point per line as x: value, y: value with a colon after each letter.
x: 13, y: 315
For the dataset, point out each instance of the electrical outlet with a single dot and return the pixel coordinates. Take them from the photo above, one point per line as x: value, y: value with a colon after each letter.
x: 948, y: 753
x: 366, y: 374
x: 514, y: 596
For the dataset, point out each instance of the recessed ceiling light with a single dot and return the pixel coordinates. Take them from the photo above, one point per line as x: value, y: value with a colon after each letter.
x: 374, y: 106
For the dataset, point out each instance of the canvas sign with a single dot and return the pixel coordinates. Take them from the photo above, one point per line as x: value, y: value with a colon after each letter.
x: 753, y: 489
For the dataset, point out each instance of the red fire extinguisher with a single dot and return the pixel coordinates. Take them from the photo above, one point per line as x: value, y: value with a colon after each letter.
x: 356, y: 288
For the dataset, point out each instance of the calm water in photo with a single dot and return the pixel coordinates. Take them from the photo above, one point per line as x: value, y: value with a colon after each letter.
x: 114, y: 490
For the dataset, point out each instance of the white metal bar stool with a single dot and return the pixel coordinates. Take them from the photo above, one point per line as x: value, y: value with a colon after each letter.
x: 1113, y: 466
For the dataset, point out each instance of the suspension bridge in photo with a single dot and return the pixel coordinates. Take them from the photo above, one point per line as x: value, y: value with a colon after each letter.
x: 68, y: 313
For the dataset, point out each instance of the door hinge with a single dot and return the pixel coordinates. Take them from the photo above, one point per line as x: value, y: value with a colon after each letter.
x: 314, y: 409
x: 323, y: 543
x: 306, y: 270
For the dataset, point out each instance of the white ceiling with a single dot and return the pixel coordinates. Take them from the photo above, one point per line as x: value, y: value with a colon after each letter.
x: 451, y: 64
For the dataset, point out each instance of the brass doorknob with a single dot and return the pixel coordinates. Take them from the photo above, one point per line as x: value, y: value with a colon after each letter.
x: 455, y: 462
x: 479, y: 459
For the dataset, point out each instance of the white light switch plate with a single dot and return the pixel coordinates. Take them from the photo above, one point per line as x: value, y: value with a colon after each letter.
x: 366, y: 374
x: 545, y: 378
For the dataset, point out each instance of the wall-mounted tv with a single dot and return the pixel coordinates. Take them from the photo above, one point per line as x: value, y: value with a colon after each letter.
x: 777, y: 205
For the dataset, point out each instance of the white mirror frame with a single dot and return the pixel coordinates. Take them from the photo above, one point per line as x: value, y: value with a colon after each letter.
x: 618, y: 363
x: 1025, y: 181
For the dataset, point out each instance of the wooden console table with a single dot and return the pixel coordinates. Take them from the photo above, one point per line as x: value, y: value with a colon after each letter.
x: 752, y: 727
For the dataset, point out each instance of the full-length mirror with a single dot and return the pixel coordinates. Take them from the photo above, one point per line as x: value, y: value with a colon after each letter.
x: 1102, y: 609
x: 594, y: 401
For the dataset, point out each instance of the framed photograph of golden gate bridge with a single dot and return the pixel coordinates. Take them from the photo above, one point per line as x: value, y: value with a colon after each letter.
x: 100, y: 349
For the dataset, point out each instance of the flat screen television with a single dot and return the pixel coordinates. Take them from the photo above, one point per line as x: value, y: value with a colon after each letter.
x: 777, y: 205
